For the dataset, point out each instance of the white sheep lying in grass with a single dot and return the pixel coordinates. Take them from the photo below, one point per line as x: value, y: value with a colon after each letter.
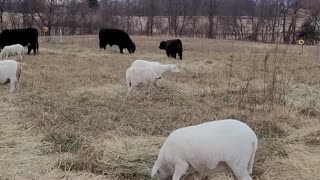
x: 204, y: 147
x: 155, y: 66
x: 140, y: 75
x: 12, y: 50
x: 10, y: 71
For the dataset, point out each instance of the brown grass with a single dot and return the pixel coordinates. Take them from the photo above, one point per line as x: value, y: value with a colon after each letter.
x: 73, y: 98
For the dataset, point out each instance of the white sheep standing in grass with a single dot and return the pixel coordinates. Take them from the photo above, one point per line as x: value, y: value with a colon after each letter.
x: 140, y: 75
x: 206, y: 147
x: 10, y: 71
x: 12, y: 50
x: 155, y: 66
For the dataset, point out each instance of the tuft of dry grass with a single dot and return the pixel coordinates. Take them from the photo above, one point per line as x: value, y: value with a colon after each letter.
x: 73, y: 97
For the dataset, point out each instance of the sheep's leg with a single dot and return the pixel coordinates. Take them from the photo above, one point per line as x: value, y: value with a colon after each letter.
x: 239, y: 171
x: 149, y: 88
x: 12, y: 85
x: 130, y: 91
x: 17, y: 85
x: 155, y: 84
x: 21, y: 57
x: 180, y: 170
x: 197, y: 176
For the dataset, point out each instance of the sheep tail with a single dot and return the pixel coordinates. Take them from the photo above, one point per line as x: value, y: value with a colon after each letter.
x: 250, y: 163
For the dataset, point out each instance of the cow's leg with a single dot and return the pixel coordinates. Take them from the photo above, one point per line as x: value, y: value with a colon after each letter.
x: 34, y: 47
x: 121, y: 49
x: 29, y: 49
x: 180, y: 54
x: 174, y: 55
x: 168, y: 53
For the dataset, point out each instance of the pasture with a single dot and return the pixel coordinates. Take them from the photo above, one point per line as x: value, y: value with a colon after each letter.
x: 72, y: 120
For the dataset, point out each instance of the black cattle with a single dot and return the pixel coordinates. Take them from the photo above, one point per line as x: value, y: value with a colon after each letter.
x: 116, y: 37
x: 25, y: 37
x: 172, y: 47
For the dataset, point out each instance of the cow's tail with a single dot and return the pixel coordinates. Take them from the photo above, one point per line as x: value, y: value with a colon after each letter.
x: 253, y: 153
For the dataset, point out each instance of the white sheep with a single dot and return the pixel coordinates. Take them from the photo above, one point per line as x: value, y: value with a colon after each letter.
x: 12, y: 50
x: 155, y: 66
x: 205, y: 147
x: 140, y: 75
x: 10, y: 71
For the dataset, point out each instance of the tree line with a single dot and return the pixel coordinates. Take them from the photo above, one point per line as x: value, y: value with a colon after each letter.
x: 255, y: 20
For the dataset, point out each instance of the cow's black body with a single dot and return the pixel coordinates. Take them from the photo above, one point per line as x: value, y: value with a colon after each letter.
x: 172, y: 47
x: 116, y: 37
x: 25, y: 37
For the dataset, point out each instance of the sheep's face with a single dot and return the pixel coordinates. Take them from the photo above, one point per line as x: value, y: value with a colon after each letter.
x: 174, y: 68
x: 163, y: 175
x: 163, y: 45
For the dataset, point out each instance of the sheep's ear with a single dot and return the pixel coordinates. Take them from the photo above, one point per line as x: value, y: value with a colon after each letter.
x: 155, y: 169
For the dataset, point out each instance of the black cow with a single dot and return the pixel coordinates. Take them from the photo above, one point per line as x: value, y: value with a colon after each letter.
x: 172, y: 47
x: 116, y: 37
x: 25, y: 37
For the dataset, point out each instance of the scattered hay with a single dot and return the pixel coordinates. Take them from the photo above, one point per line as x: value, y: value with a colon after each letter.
x: 312, y: 139
x: 117, y: 157
x: 268, y: 149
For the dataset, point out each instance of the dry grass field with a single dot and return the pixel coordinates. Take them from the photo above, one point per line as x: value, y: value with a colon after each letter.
x: 72, y: 120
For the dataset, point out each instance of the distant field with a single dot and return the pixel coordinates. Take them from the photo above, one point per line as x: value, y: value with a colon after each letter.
x: 72, y: 120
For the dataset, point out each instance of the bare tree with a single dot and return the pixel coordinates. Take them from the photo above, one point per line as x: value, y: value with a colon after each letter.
x: 212, y: 8
x: 2, y: 8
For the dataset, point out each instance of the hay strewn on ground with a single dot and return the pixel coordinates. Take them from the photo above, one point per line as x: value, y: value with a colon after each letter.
x: 78, y: 124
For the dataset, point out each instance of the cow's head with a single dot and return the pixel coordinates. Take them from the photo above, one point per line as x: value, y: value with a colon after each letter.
x: 132, y: 48
x: 163, y: 45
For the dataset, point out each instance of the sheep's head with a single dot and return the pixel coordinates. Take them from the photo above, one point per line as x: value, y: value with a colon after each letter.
x: 163, y: 45
x: 157, y: 171
x: 174, y: 68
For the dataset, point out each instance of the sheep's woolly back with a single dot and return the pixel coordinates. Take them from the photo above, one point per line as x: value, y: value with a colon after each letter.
x: 155, y: 66
x: 205, y: 145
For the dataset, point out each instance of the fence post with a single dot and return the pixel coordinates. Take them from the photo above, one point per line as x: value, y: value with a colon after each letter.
x: 318, y: 54
x: 61, y: 36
